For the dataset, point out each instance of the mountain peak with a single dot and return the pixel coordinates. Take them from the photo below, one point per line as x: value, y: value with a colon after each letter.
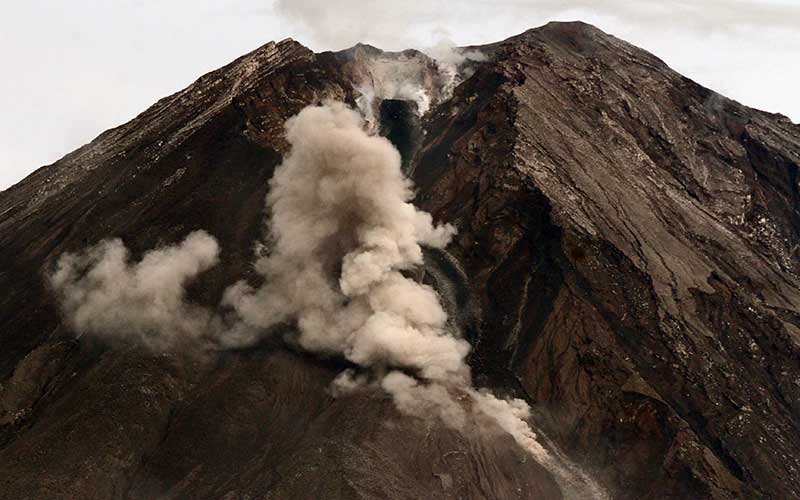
x: 625, y: 263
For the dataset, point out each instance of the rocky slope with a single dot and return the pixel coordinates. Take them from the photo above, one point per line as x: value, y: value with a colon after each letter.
x: 626, y: 260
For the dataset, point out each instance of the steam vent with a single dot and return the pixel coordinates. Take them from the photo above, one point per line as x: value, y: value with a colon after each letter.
x: 546, y: 268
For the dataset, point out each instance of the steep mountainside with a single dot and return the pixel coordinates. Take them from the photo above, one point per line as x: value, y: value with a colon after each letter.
x: 625, y: 260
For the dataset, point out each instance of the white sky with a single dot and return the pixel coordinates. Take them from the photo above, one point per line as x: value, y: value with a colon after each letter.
x: 71, y: 69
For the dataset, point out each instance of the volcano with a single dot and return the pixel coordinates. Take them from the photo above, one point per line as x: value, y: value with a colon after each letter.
x: 625, y: 262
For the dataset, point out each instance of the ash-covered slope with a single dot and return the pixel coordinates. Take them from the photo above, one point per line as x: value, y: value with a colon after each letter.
x: 625, y: 260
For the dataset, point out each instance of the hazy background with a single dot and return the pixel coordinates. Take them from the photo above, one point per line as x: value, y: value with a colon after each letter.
x: 73, y: 69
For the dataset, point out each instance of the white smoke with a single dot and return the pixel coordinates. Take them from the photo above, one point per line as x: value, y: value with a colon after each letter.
x: 396, y: 76
x: 409, y: 78
x: 102, y: 293
x: 450, y: 60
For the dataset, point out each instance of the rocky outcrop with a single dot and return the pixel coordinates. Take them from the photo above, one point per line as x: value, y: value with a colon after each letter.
x: 626, y: 261
x: 631, y: 238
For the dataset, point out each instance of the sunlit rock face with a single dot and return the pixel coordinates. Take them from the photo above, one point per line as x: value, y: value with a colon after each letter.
x: 625, y: 261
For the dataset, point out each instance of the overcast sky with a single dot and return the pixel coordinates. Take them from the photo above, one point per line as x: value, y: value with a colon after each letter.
x: 73, y: 69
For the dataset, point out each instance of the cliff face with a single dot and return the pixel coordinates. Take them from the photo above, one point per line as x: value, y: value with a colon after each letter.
x: 625, y: 261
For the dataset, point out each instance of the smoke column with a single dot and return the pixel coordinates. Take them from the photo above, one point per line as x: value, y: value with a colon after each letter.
x: 343, y: 231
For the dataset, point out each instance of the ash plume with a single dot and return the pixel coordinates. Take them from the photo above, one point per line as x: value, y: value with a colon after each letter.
x: 344, y: 240
x: 102, y: 293
x: 343, y: 231
x: 344, y: 236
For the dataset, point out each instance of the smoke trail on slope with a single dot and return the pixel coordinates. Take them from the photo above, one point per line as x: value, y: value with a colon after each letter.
x: 511, y: 416
x: 101, y: 293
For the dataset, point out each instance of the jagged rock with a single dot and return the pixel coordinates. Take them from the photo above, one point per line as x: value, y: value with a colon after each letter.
x: 626, y: 260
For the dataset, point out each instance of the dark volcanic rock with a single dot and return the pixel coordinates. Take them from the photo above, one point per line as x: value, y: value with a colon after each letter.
x: 626, y: 260
x: 399, y: 122
x: 632, y: 239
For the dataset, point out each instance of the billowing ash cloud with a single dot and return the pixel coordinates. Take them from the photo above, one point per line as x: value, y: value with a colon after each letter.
x: 345, y: 238
x: 345, y: 241
x: 102, y: 293
x: 344, y: 231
